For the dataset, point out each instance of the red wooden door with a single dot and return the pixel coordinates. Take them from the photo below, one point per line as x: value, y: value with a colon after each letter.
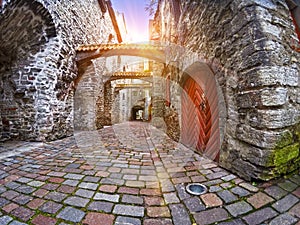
x: 200, y: 127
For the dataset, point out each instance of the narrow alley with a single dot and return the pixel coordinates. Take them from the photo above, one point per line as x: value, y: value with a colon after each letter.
x: 131, y: 173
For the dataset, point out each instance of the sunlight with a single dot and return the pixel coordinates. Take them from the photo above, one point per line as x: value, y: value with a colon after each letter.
x: 137, y: 36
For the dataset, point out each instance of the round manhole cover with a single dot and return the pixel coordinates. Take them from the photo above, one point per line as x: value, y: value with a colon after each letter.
x: 196, y: 189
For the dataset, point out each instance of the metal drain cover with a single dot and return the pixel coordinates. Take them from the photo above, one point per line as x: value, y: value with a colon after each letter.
x: 196, y: 189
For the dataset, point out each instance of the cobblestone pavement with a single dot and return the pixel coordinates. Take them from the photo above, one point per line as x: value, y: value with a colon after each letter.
x: 131, y: 174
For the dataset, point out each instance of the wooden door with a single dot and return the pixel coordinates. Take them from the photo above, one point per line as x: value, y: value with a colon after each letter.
x: 200, y: 127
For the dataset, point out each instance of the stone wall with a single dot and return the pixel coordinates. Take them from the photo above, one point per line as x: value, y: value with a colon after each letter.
x: 37, y: 63
x: 247, y: 46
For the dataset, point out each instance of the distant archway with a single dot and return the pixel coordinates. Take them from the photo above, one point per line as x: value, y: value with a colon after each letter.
x: 137, y: 113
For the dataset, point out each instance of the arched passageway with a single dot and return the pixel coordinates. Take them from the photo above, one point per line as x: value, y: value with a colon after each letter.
x: 137, y: 113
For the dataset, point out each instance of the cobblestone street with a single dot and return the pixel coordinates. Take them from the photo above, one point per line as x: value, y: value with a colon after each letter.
x: 131, y: 173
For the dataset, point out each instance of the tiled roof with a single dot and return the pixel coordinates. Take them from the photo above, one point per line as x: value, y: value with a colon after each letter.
x: 93, y: 47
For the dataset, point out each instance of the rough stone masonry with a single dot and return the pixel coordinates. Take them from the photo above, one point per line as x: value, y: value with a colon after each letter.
x: 245, y: 43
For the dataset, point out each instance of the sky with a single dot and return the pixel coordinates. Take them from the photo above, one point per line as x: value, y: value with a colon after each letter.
x: 136, y: 18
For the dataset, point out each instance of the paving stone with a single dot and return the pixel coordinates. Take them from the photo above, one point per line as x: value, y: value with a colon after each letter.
x: 154, y: 201
x: 72, y: 183
x: 227, y: 196
x: 228, y: 177
x: 116, y: 176
x: 211, y: 200
x: 50, y: 187
x: 249, y: 187
x: 22, y: 199
x: 40, y: 193
x: 112, y: 181
x: 130, y: 177
x: 213, y: 182
x: 275, y: 192
x: 260, y: 216
x: 71, y: 214
x: 74, y: 176
x: 56, y: 180
x: 43, y: 220
x: 157, y: 222
x: 158, y: 211
x: 24, y: 180
x: 102, y: 174
x: 297, y: 192
x: 56, y: 174
x: 10, y: 194
x: 22, y: 213
x: 260, y: 199
x: 179, y: 214
x: 101, y: 206
x: 215, y: 188
x: 295, y: 211
x: 51, y: 207
x: 12, y: 185
x: 284, y: 219
x: 15, y: 222
x: 182, y: 192
x: 217, y: 175
x: 84, y: 193
x: 240, y: 191
x: 194, y: 204
x: 73, y: 165
x: 87, y: 185
x: 66, y: 189
x: 132, y: 199
x: 10, y: 207
x: 233, y: 222
x: 150, y: 191
x: 36, y: 183
x: 56, y: 196
x: 2, y: 189
x: 128, y: 210
x: 5, y: 220
x: 135, y: 183
x: 295, y: 178
x: 238, y: 208
x: 77, y: 201
x: 122, y: 220
x: 94, y: 218
x: 3, y: 202
x: 25, y: 189
x: 167, y: 185
x: 107, y: 197
x: 91, y: 179
x: 36, y: 203
x: 285, y: 203
x: 288, y: 185
x: 171, y: 198
x: 211, y: 216
x: 128, y: 190
x: 108, y: 188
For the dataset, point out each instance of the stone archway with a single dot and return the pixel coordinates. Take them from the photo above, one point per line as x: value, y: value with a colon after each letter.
x: 201, y: 125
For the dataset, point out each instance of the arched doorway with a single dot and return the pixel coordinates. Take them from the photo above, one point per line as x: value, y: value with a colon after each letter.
x: 137, y: 113
x: 200, y: 112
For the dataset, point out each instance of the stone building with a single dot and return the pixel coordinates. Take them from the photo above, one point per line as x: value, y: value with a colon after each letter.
x: 238, y: 77
x: 37, y: 62
x: 226, y: 78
